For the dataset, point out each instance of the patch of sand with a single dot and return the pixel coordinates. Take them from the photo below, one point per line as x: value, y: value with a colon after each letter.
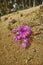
x: 10, y: 52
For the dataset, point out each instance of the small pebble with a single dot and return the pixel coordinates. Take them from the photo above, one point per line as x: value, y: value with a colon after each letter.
x: 13, y: 21
x: 26, y: 61
x: 6, y: 18
x: 9, y: 35
x: 21, y: 15
x: 34, y: 49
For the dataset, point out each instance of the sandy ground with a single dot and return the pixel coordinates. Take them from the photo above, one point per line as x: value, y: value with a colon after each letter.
x: 11, y: 53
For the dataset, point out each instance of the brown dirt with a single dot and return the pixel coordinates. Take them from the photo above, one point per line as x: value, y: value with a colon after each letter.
x: 12, y: 53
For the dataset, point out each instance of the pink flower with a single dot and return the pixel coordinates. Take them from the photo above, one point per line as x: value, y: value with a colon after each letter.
x: 24, y: 43
x: 22, y: 32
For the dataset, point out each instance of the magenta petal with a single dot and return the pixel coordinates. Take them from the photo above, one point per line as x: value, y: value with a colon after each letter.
x: 26, y: 33
x: 16, y: 38
x: 18, y: 33
x: 13, y: 31
x: 24, y: 42
x: 20, y: 28
x: 23, y: 45
x: 23, y: 36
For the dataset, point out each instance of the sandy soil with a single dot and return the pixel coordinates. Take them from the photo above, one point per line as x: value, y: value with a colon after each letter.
x: 11, y: 53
